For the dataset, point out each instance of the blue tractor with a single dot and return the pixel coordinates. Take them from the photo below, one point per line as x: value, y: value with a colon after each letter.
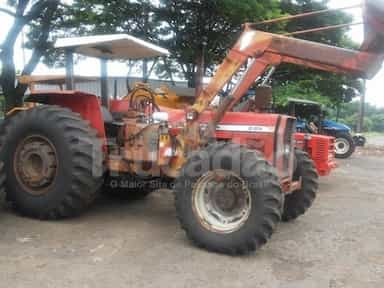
x: 311, y: 119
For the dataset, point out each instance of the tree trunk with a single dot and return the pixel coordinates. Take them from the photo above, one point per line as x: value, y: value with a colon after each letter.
x: 360, y: 122
x: 14, y: 92
x: 145, y: 71
x: 199, y: 75
x: 8, y: 73
x: 338, y: 112
x: 169, y: 71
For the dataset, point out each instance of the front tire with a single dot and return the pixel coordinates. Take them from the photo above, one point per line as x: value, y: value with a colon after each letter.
x: 228, y: 199
x: 300, y: 201
x: 359, y: 140
x: 345, y: 145
x: 53, y: 162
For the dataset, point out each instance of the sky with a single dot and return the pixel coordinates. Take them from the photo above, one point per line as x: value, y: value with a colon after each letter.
x: 87, y: 67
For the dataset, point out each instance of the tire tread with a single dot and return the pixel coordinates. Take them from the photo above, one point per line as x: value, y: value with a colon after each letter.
x: 272, y: 197
x: 79, y: 134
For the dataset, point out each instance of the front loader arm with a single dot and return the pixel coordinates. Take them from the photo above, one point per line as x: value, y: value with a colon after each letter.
x: 236, y: 58
x: 266, y: 49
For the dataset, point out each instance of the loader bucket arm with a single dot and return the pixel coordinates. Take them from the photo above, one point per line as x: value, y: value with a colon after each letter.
x: 266, y: 49
x: 374, y: 26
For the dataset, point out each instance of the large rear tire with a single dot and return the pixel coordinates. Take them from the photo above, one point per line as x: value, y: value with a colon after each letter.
x: 300, y: 201
x: 228, y: 199
x: 53, y: 162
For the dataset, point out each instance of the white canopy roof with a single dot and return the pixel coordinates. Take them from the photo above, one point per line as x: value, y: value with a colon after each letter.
x: 116, y: 46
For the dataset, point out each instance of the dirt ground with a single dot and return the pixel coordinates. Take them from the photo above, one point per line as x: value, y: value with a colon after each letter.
x: 339, y: 243
x: 375, y: 140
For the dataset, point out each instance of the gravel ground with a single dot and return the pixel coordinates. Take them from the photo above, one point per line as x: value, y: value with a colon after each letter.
x: 376, y: 140
x: 338, y: 243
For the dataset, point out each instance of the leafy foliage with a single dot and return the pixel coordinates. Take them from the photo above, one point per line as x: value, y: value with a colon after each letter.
x: 26, y: 13
x: 196, y: 30
x: 297, y: 90
x: 349, y: 113
x: 188, y: 28
x: 97, y: 17
x: 192, y: 28
x: 330, y: 88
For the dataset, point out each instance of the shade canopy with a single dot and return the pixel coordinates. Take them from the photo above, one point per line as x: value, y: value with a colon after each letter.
x: 115, y: 46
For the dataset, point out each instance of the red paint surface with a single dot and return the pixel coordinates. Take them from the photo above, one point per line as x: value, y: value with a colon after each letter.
x: 321, y: 150
x: 87, y: 105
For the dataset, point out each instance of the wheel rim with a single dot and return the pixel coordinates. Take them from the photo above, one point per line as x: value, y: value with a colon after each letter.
x: 221, y: 201
x: 35, y: 164
x: 342, y: 146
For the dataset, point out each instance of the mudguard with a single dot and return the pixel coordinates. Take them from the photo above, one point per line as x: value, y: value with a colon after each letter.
x: 87, y: 105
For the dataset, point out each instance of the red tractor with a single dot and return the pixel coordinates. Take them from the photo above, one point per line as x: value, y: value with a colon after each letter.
x: 235, y: 174
x: 321, y: 149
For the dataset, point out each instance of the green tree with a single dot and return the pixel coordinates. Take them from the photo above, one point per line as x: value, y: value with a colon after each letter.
x: 25, y: 12
x: 349, y: 114
x: 96, y: 17
x: 303, y: 88
x: 378, y: 122
x: 198, y: 33
x: 329, y: 86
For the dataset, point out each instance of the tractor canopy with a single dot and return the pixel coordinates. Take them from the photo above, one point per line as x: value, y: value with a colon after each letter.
x: 106, y: 47
x: 114, y: 46
x: 306, y: 110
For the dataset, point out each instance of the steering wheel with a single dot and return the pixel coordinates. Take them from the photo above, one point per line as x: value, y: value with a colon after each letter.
x: 143, y: 100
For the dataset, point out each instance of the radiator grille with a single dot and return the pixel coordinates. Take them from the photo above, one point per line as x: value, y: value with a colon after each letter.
x: 321, y: 152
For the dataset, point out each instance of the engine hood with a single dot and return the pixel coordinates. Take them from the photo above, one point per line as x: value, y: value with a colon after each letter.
x: 332, y: 125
